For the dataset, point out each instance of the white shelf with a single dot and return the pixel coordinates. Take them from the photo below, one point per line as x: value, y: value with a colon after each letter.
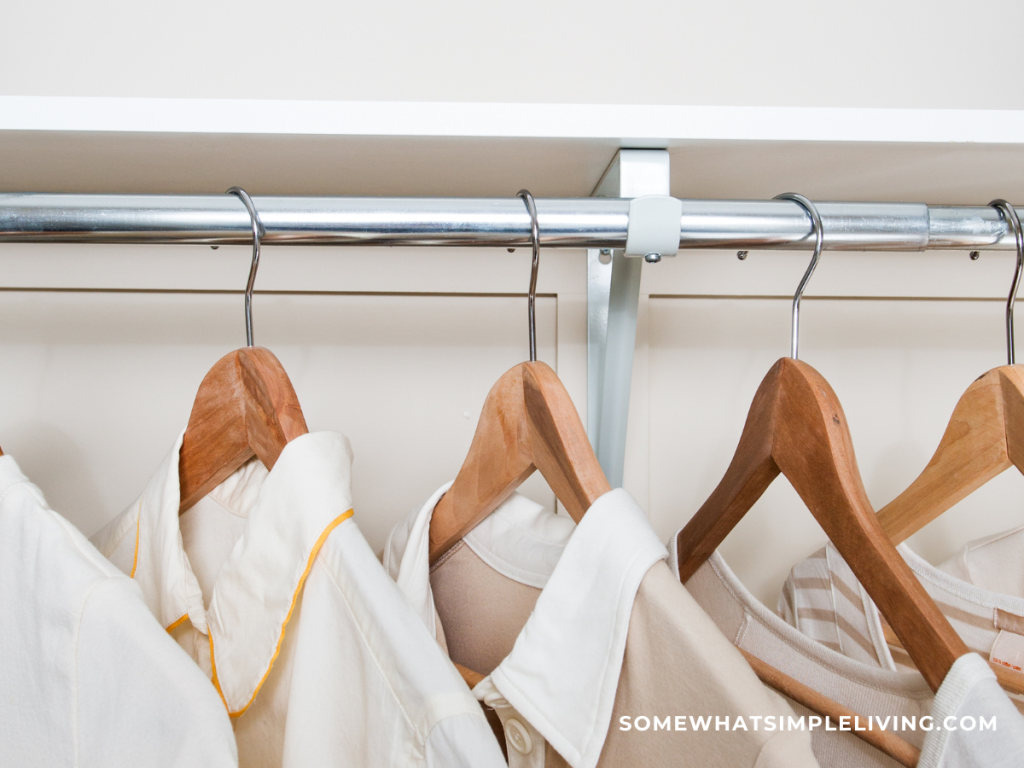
x: 78, y: 144
x: 656, y: 126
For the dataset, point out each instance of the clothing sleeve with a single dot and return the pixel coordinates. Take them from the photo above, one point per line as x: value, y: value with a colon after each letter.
x: 975, y: 725
x: 140, y: 699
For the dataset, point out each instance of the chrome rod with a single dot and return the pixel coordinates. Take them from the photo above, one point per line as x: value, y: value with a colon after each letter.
x: 488, y: 222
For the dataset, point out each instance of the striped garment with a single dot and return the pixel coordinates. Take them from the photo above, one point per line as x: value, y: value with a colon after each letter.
x: 980, y: 591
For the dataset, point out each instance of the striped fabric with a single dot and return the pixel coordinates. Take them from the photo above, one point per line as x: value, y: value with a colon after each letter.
x: 979, y: 590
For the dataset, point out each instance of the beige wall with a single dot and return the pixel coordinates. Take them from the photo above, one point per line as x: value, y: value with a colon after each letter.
x: 874, y: 53
x: 96, y: 384
x: 102, y: 348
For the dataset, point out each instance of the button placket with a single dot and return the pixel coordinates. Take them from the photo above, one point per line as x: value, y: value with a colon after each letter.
x: 525, y: 745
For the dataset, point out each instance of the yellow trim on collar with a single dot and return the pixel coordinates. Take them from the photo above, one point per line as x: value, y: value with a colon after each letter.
x: 176, y: 623
x: 138, y: 525
x: 302, y: 580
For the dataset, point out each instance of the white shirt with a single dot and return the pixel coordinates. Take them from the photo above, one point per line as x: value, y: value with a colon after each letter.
x: 970, y: 688
x: 576, y: 627
x: 271, y: 588
x: 87, y: 677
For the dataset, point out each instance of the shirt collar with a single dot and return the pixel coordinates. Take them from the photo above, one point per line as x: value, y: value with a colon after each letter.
x: 563, y: 671
x: 296, y: 505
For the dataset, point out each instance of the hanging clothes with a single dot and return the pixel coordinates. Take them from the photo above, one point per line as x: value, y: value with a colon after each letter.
x: 581, y: 630
x: 886, y: 695
x: 980, y: 591
x: 88, y: 678
x: 270, y: 587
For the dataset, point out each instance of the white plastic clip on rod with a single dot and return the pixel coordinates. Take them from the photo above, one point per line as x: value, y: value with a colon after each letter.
x: 655, y: 226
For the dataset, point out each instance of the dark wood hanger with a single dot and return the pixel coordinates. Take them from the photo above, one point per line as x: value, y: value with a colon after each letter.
x: 246, y: 406
x: 984, y: 437
x: 528, y: 422
x: 797, y: 427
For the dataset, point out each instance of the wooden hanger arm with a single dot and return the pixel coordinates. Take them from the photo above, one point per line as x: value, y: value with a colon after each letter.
x: 750, y: 472
x: 245, y: 405
x: 889, y: 743
x: 559, y: 444
x: 1011, y: 385
x: 814, y: 450
x: 497, y: 463
x: 744, y: 483
x: 972, y: 451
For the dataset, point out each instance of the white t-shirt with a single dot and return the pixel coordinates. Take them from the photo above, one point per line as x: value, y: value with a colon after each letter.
x: 87, y: 676
x: 585, y: 638
x: 270, y: 587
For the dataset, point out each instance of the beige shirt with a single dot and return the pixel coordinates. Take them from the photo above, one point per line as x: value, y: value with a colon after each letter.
x: 271, y: 589
x: 585, y: 637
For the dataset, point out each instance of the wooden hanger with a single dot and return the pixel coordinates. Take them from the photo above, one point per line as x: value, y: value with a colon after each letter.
x: 528, y: 422
x: 245, y: 406
x: 985, y: 435
x: 797, y: 427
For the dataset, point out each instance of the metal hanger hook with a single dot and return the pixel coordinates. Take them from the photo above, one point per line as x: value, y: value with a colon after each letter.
x: 257, y: 233
x: 531, y: 206
x: 1009, y: 215
x: 819, y: 241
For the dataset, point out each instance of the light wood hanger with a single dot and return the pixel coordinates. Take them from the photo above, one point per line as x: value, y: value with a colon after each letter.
x: 245, y: 406
x: 985, y: 435
x: 797, y: 427
x: 528, y: 422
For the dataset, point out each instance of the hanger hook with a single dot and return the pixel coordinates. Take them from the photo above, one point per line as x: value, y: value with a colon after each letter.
x: 531, y: 206
x: 819, y: 241
x: 257, y: 233
x: 1009, y: 215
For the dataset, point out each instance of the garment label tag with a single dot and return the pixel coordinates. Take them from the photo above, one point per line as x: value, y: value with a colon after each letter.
x: 1008, y: 650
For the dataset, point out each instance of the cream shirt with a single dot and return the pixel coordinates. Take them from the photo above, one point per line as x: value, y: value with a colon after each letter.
x: 268, y: 584
x: 87, y: 677
x: 582, y: 629
x: 969, y: 690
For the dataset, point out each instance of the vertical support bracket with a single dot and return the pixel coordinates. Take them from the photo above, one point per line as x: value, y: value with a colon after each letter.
x: 613, y: 294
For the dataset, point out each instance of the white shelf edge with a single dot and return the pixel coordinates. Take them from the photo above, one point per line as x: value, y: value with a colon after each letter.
x: 639, y: 125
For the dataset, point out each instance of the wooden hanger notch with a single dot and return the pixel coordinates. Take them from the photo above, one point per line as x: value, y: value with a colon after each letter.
x: 528, y: 422
x: 245, y: 406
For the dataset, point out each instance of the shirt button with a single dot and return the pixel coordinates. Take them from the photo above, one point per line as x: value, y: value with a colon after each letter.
x: 518, y: 736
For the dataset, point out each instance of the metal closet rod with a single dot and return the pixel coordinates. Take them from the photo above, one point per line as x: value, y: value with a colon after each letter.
x: 564, y: 222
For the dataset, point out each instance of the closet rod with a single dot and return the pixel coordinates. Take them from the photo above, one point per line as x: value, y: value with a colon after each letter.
x: 564, y: 222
